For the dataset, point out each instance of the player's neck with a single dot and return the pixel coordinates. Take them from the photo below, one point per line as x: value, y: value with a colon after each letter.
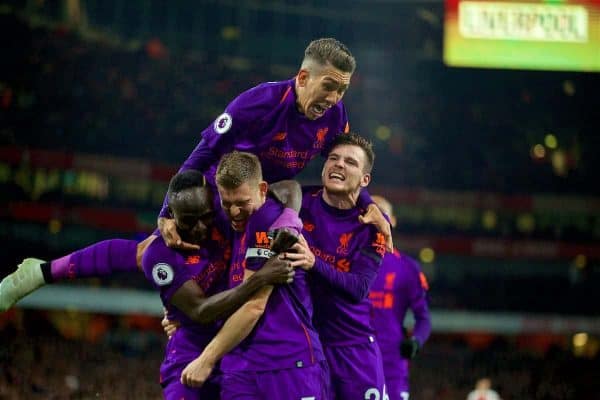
x: 342, y: 201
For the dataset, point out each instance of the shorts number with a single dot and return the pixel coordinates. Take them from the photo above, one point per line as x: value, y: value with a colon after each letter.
x: 374, y: 394
x: 404, y: 395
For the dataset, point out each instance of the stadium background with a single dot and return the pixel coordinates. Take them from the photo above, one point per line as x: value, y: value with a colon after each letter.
x: 492, y: 173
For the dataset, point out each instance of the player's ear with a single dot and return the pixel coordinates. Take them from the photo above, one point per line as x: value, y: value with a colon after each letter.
x: 264, y: 188
x: 365, y: 180
x: 207, y: 197
x: 302, y: 77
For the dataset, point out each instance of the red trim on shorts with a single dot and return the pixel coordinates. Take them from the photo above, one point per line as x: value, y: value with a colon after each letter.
x: 312, y: 354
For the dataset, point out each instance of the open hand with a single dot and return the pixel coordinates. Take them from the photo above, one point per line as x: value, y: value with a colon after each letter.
x: 301, y: 255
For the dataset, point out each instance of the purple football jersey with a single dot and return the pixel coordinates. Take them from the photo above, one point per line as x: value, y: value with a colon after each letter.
x: 265, y: 121
x: 168, y: 269
x: 400, y: 286
x: 348, y: 255
x: 284, y: 337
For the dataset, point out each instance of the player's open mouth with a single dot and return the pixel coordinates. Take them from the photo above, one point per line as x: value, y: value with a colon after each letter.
x: 199, y: 238
x: 337, y: 176
x: 238, y: 225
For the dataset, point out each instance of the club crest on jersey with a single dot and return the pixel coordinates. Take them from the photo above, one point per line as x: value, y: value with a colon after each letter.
x: 280, y: 136
x: 344, y: 241
x: 162, y: 274
x: 320, y: 138
x: 223, y: 123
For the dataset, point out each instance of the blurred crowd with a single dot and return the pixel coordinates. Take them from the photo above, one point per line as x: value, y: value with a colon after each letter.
x: 38, y: 362
x: 522, y: 292
x: 448, y: 370
x: 41, y: 364
x: 61, y: 92
x: 433, y: 126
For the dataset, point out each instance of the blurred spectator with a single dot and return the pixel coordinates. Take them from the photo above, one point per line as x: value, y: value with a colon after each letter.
x: 483, y: 391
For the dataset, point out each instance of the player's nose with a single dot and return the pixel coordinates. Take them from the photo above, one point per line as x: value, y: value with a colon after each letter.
x: 234, y: 211
x: 200, y: 226
x: 333, y: 97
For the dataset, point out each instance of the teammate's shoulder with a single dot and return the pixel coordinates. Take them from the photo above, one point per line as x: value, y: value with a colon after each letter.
x: 311, y: 198
x: 268, y: 94
x: 371, y: 229
x: 270, y: 208
x: 311, y: 191
x: 336, y: 115
x: 407, y: 262
x: 339, y: 107
x: 158, y: 252
x: 275, y: 86
x: 262, y: 218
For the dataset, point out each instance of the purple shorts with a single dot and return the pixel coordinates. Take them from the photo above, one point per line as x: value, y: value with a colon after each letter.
x: 306, y: 383
x: 356, y: 371
x: 395, y: 368
x: 175, y: 390
x: 397, y: 388
x: 180, y: 351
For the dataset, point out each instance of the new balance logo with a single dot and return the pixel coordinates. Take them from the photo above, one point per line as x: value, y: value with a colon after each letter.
x: 342, y: 265
x: 192, y: 260
x: 308, y: 227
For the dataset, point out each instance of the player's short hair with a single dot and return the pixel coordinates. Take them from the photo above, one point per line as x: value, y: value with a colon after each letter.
x: 237, y: 168
x: 332, y: 51
x: 185, y: 180
x: 355, y: 139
